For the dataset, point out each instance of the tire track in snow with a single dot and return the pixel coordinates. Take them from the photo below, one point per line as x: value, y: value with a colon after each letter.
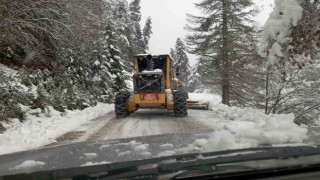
x: 141, y: 123
x: 148, y: 122
x: 107, y: 129
x: 88, y: 130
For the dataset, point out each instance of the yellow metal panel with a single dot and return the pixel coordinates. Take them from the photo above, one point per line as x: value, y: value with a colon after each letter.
x: 136, y: 64
x: 132, y: 106
x: 170, y: 106
x: 168, y: 83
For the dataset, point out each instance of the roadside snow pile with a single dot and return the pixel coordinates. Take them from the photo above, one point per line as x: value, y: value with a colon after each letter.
x: 251, y: 128
x: 39, y: 131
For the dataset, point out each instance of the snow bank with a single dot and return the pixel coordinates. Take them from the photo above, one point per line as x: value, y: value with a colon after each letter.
x: 237, y: 128
x: 251, y: 128
x: 39, y: 131
x: 286, y: 14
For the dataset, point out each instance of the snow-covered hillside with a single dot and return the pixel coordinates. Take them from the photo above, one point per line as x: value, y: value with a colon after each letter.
x: 41, y: 129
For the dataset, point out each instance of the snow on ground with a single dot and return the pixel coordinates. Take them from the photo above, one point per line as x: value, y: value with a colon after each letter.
x: 233, y: 127
x: 237, y: 128
x: 248, y: 127
x: 42, y: 130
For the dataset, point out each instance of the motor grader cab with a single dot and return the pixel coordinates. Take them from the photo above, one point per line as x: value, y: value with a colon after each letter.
x: 155, y: 86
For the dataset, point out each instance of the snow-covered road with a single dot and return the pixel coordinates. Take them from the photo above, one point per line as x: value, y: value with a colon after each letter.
x: 143, y: 123
x: 230, y: 127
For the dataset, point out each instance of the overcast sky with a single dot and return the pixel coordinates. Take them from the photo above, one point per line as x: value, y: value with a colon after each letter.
x: 169, y: 18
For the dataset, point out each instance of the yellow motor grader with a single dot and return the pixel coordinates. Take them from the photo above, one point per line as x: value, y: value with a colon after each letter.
x: 155, y: 87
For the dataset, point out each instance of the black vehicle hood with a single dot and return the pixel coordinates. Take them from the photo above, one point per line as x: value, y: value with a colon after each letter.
x: 108, y: 152
x: 100, y: 152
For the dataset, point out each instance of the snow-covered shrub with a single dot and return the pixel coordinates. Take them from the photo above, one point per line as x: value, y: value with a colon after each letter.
x: 290, y: 44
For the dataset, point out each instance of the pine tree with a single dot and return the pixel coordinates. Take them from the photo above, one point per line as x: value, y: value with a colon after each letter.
x: 132, y: 40
x: 135, y: 16
x: 135, y: 8
x: 181, y: 60
x: 109, y: 64
x: 116, y: 67
x: 121, y: 18
x: 147, y: 31
x: 172, y: 52
x: 194, y: 82
x: 223, y: 37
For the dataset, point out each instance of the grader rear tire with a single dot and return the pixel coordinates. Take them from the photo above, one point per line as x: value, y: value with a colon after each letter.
x: 180, y: 104
x: 121, y: 105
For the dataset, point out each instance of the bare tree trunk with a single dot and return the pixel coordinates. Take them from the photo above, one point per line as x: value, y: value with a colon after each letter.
x: 225, y: 59
x: 277, y: 100
x: 267, y: 90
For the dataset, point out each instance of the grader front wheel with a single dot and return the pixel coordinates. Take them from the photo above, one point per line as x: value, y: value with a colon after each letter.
x: 121, y: 105
x: 180, y: 103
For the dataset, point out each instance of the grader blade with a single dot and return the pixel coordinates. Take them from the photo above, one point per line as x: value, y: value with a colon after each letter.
x: 193, y: 104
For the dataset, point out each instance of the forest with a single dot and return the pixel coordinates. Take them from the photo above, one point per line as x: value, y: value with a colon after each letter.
x: 68, y: 54
x: 72, y: 54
